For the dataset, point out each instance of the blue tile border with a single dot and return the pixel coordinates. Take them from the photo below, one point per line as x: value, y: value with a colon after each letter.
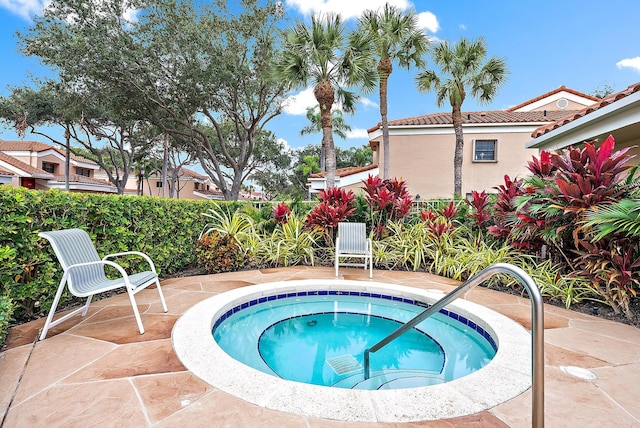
x: 459, y: 318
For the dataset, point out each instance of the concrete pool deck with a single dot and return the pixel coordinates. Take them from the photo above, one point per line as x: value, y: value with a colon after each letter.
x: 99, y: 371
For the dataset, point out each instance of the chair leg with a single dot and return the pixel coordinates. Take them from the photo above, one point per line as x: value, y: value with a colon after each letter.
x: 48, y: 323
x: 86, y: 305
x: 164, y: 303
x: 135, y: 311
x: 336, y: 265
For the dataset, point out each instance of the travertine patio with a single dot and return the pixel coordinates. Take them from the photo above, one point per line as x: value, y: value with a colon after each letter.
x: 99, y: 371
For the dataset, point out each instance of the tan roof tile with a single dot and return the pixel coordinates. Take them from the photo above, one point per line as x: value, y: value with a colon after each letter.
x: 81, y: 179
x: 36, y: 146
x: 344, y: 172
x: 481, y: 117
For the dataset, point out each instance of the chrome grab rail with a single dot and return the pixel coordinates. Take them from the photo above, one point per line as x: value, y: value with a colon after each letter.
x: 537, y: 329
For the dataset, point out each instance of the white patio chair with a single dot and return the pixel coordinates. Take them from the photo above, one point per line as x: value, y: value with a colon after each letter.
x: 352, y: 242
x: 84, y: 273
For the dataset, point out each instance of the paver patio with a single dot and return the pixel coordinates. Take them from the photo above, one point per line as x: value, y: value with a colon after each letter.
x: 99, y: 371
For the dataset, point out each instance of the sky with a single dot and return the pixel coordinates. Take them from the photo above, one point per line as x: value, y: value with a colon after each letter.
x: 581, y: 44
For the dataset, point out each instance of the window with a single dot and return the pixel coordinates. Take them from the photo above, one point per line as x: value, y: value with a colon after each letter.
x: 158, y: 183
x: 85, y: 172
x: 484, y: 150
x: 196, y: 186
x: 49, y: 167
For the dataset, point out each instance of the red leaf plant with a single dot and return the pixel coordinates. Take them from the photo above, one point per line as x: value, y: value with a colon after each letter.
x: 335, y: 206
x: 281, y: 213
x: 388, y: 200
x: 479, y: 202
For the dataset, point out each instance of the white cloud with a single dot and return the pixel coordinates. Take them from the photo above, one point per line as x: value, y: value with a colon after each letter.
x: 462, y: 27
x: 347, y: 8
x: 24, y: 8
x: 630, y: 63
x: 428, y: 21
x: 368, y: 103
x: 285, y: 143
x: 358, y: 133
x: 28, y: 8
x: 299, y: 103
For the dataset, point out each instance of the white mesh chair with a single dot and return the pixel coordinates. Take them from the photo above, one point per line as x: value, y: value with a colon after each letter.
x: 84, y: 273
x: 352, y: 242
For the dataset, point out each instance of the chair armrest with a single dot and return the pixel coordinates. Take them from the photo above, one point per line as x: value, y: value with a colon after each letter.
x: 119, y: 268
x: 136, y: 253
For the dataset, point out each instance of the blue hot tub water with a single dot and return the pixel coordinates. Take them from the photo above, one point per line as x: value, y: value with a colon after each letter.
x: 320, y: 339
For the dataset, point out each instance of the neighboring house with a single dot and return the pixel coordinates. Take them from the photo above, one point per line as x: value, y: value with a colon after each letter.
x: 422, y: 148
x: 40, y: 166
x: 346, y: 178
x: 189, y: 185
x: 617, y: 115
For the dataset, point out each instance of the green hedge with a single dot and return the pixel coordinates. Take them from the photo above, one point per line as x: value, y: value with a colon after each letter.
x: 165, y: 229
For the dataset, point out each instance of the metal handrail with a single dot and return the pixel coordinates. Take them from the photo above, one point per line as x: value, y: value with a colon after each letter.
x: 537, y: 329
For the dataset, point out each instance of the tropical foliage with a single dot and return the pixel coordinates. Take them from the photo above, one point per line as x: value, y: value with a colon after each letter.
x: 396, y: 37
x: 322, y: 54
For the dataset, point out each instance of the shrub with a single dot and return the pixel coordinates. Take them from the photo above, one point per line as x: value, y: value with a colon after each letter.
x: 165, y: 229
x: 218, y: 253
x: 335, y: 206
x: 388, y: 201
x: 289, y: 244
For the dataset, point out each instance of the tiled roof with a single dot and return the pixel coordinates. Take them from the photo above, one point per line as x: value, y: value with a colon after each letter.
x: 344, y: 172
x: 81, y: 179
x: 483, y: 117
x: 555, y: 91
x: 24, y: 166
x: 35, y: 146
x: 193, y: 174
x: 577, y: 115
x: 5, y: 172
x: 212, y: 194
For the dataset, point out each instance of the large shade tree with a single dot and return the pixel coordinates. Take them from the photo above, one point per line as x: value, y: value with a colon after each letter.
x: 462, y: 68
x: 397, y: 38
x: 93, y: 121
x: 324, y: 55
x: 179, y: 66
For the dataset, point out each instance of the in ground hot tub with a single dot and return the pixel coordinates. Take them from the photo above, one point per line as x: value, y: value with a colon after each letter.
x: 474, y: 358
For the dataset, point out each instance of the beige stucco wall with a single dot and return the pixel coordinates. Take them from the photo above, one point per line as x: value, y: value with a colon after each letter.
x: 552, y: 106
x: 425, y: 162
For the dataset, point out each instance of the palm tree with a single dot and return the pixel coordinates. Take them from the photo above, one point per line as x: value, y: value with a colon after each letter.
x: 462, y: 68
x: 322, y: 54
x: 339, y: 126
x: 396, y: 37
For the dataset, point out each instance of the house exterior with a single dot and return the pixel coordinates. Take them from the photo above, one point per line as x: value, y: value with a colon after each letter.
x: 346, y: 178
x: 189, y: 185
x: 36, y: 165
x: 421, y: 149
x: 617, y: 115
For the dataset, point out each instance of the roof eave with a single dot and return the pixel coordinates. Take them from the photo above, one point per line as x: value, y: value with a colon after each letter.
x: 587, y: 126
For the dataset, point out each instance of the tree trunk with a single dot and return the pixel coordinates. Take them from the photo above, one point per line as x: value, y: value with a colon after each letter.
x: 459, y: 151
x: 325, y: 95
x: 165, y: 162
x: 384, y: 71
x: 67, y: 161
